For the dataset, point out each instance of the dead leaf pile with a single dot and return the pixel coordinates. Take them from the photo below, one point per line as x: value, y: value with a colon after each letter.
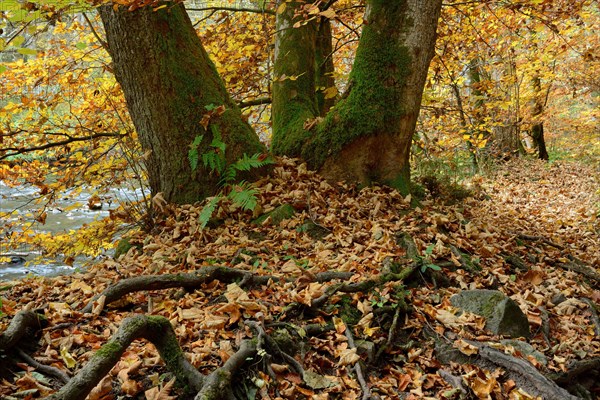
x: 525, y: 228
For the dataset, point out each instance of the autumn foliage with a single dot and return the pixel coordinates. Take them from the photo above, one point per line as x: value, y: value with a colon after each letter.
x: 320, y: 289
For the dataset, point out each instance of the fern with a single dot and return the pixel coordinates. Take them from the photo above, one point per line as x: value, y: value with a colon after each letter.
x: 193, y: 152
x: 208, y: 210
x: 247, y: 163
x: 243, y: 195
x: 244, y: 164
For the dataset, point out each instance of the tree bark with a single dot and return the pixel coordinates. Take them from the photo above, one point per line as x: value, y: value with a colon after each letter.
x: 325, y: 81
x: 537, y: 129
x: 366, y: 137
x: 294, y: 86
x: 168, y: 81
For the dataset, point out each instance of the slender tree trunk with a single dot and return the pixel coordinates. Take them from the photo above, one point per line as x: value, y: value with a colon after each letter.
x: 325, y: 81
x: 168, y: 81
x: 294, y: 85
x: 465, y: 126
x: 537, y: 130
x: 367, y: 136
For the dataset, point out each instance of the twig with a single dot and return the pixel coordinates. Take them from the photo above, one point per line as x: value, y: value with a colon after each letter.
x: 391, y: 334
x: 235, y: 9
x: 358, y: 369
x: 102, y: 42
x: 13, y: 151
x: 44, y: 369
x: 255, y: 102
x: 540, y: 239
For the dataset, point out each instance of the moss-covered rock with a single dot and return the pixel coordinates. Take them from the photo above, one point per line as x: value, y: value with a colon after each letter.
x: 315, y: 231
x: 283, y: 212
x: 503, y: 316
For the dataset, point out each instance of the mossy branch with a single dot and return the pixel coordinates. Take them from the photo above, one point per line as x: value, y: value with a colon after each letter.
x: 157, y: 330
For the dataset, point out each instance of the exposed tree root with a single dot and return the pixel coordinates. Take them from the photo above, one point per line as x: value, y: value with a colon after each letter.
x: 193, y: 281
x: 358, y: 369
x: 525, y: 375
x: 43, y: 369
x: 157, y: 330
x: 574, y: 264
x: 578, y: 266
x: 21, y: 325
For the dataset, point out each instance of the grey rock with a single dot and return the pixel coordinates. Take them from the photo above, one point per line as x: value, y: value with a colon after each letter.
x: 503, y: 316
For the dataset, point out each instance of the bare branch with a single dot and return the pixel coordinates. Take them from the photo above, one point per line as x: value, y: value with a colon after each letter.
x: 235, y: 9
x: 13, y: 151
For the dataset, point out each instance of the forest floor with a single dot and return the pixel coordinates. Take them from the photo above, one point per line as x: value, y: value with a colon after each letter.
x: 530, y: 230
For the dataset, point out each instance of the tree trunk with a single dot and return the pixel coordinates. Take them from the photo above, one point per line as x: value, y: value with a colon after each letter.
x: 324, y: 68
x: 366, y: 137
x: 294, y: 86
x: 168, y: 81
x: 537, y: 129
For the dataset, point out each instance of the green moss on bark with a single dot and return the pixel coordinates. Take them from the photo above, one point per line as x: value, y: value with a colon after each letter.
x: 374, y: 103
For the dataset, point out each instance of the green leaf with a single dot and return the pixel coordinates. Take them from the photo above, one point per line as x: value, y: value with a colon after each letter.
x: 193, y: 152
x: 193, y: 158
x: 207, y: 211
x: 27, y: 52
x: 3, y: 68
x: 433, y: 267
x: 16, y: 42
x: 81, y: 45
x: 247, y: 163
x: 429, y: 249
x: 197, y: 140
x: 217, y: 142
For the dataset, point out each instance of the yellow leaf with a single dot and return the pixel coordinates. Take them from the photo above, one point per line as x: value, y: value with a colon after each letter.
x: 69, y: 360
x: 281, y: 8
x: 330, y: 92
x: 340, y: 327
x: 466, y: 348
x: 329, y: 13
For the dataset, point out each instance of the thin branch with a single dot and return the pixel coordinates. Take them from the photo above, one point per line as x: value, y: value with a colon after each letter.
x: 358, y: 369
x: 235, y: 9
x: 44, y: 369
x: 13, y: 151
x: 255, y: 102
x: 102, y: 42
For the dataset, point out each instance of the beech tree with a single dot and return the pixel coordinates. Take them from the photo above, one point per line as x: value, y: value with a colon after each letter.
x: 169, y: 84
x: 366, y: 137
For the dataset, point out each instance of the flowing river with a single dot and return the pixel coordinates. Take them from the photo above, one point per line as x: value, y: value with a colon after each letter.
x: 21, y: 199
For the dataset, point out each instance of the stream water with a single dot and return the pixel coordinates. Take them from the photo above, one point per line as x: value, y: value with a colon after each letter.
x: 22, y: 200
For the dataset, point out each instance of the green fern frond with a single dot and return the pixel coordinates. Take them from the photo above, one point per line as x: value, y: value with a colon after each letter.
x: 247, y: 163
x: 208, y: 210
x: 193, y: 152
x: 244, y: 196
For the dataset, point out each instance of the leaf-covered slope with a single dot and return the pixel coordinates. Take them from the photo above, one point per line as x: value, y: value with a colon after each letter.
x: 530, y: 231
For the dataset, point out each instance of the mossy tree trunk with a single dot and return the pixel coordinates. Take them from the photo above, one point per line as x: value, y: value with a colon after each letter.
x: 366, y: 137
x: 294, y: 78
x: 168, y: 81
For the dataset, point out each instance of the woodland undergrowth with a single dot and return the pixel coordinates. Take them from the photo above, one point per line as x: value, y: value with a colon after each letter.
x: 341, y: 299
